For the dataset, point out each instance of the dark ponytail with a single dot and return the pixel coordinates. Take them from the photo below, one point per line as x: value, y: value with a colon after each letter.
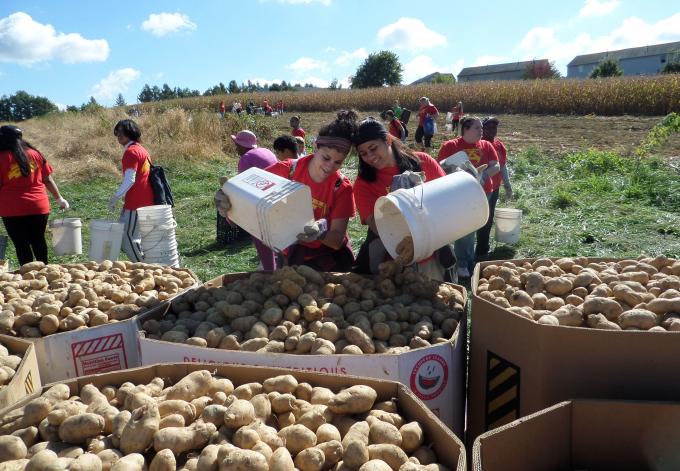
x: 344, y: 126
x: 11, y: 140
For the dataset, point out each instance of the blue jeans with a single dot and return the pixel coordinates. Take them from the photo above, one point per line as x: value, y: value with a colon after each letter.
x: 464, y: 248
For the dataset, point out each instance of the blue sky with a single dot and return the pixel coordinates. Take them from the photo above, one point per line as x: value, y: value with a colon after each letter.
x: 69, y: 50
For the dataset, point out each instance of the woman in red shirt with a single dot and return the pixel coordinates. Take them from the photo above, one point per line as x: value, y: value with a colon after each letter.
x: 396, y: 128
x: 427, y: 111
x: 479, y: 152
x: 323, y: 245
x: 135, y: 188
x: 381, y: 158
x: 24, y: 206
x: 297, y: 131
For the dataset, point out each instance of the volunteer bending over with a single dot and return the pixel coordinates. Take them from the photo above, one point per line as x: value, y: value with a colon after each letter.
x: 135, y: 189
x: 323, y: 245
x: 383, y: 157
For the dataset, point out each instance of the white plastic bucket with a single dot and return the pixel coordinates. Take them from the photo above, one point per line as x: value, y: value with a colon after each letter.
x: 508, y: 225
x: 271, y: 208
x: 157, y: 231
x: 66, y: 237
x: 434, y: 214
x: 106, y: 238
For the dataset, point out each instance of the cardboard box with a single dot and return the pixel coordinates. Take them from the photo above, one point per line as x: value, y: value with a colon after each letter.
x: 591, y: 435
x: 26, y: 380
x: 518, y: 366
x: 442, y: 389
x: 450, y: 450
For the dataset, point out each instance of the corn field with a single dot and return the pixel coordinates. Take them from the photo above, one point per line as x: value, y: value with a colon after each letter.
x: 651, y: 96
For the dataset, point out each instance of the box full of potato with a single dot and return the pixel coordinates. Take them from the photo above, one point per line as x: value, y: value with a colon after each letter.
x: 547, y: 330
x: 186, y: 417
x: 81, y: 315
x: 19, y: 374
x: 585, y: 435
x: 400, y: 326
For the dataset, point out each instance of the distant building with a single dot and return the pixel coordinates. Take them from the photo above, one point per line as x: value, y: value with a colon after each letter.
x: 509, y: 71
x: 430, y: 78
x: 646, y: 60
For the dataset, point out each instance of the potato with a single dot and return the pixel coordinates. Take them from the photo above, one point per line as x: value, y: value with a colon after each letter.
x: 138, y: 433
x: 639, y: 319
x: 310, y: 459
x: 353, y: 400
x: 239, y: 413
x: 375, y: 465
x: 12, y: 448
x: 195, y: 384
x: 282, y: 384
x: 390, y: 454
x: 281, y: 460
x: 382, y: 432
x: 599, y: 321
x: 77, y: 429
x: 86, y: 462
x: 131, y: 462
x: 412, y: 436
x: 182, y: 439
x: 327, y: 433
x: 297, y: 438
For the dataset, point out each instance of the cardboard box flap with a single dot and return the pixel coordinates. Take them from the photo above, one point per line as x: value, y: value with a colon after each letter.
x: 26, y: 380
x: 450, y: 450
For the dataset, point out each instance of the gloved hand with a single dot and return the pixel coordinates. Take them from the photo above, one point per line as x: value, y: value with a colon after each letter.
x: 222, y: 203
x: 508, y: 192
x: 63, y: 204
x: 408, y: 179
x: 313, y: 231
x: 112, y: 203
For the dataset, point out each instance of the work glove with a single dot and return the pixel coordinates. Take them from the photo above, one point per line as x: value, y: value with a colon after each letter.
x: 313, y: 231
x: 63, y: 204
x: 508, y: 192
x: 408, y: 179
x: 222, y: 202
x: 112, y: 203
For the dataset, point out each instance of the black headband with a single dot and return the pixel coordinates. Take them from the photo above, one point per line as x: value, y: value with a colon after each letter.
x: 369, y: 130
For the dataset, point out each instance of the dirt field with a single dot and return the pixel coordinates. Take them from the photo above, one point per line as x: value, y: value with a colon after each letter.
x: 553, y: 134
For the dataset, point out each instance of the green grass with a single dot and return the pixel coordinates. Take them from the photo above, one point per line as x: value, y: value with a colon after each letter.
x: 589, y: 203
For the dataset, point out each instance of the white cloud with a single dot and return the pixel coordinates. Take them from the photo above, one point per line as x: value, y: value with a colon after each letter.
x: 60, y: 106
x: 329, y: 49
x: 422, y: 65
x: 345, y: 81
x: 116, y: 82
x: 489, y: 60
x: 262, y: 81
x: 307, y: 64
x: 25, y: 41
x: 346, y: 57
x: 411, y: 34
x: 598, y: 8
x: 316, y: 81
x: 160, y: 24
x: 542, y: 42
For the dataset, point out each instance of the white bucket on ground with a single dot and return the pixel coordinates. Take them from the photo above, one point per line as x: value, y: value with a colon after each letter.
x: 434, y: 214
x: 268, y: 207
x: 508, y: 225
x: 106, y: 238
x: 66, y: 237
x: 157, y: 231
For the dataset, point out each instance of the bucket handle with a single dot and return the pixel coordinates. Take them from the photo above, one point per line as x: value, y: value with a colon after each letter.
x: 419, y: 185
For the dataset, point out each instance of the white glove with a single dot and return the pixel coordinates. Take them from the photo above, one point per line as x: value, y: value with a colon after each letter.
x: 508, y: 192
x: 112, y: 203
x: 222, y: 203
x: 313, y: 231
x: 63, y: 204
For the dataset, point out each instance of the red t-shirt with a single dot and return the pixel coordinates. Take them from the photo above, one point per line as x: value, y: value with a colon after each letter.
x: 367, y: 193
x: 299, y: 132
x: 19, y: 195
x: 395, y: 128
x: 332, y: 198
x: 502, y: 153
x: 456, y: 112
x: 140, y: 194
x: 479, y: 153
x: 425, y: 110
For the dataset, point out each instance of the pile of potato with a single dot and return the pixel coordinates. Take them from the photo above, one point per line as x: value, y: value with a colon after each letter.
x: 204, y: 423
x: 641, y: 294
x: 42, y: 299
x: 301, y: 311
x: 9, y: 362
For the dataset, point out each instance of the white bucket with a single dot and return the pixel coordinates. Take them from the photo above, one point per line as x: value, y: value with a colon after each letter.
x: 508, y: 225
x: 157, y: 231
x: 268, y: 207
x: 106, y: 238
x: 66, y: 238
x: 434, y: 214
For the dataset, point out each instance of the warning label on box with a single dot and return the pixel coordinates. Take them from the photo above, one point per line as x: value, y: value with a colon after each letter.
x: 99, y: 355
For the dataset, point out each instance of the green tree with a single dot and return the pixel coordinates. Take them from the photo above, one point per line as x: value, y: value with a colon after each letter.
x: 672, y: 65
x: 146, y: 95
x: 22, y: 105
x: 607, y: 68
x: 91, y: 106
x: 379, y: 69
x: 541, y: 70
x: 444, y: 78
x: 334, y: 84
x: 233, y: 87
x: 120, y: 101
x: 72, y: 109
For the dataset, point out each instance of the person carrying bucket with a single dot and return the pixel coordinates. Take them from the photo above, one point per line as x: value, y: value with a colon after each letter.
x: 479, y: 153
x: 135, y: 189
x: 24, y: 205
x: 385, y: 164
x: 489, y: 131
x: 323, y: 244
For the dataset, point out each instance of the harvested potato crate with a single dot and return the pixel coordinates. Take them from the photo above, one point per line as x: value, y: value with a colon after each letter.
x: 436, y: 374
x: 26, y: 379
x: 585, y: 434
x: 519, y: 365
x: 197, y: 416
x: 106, y: 342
